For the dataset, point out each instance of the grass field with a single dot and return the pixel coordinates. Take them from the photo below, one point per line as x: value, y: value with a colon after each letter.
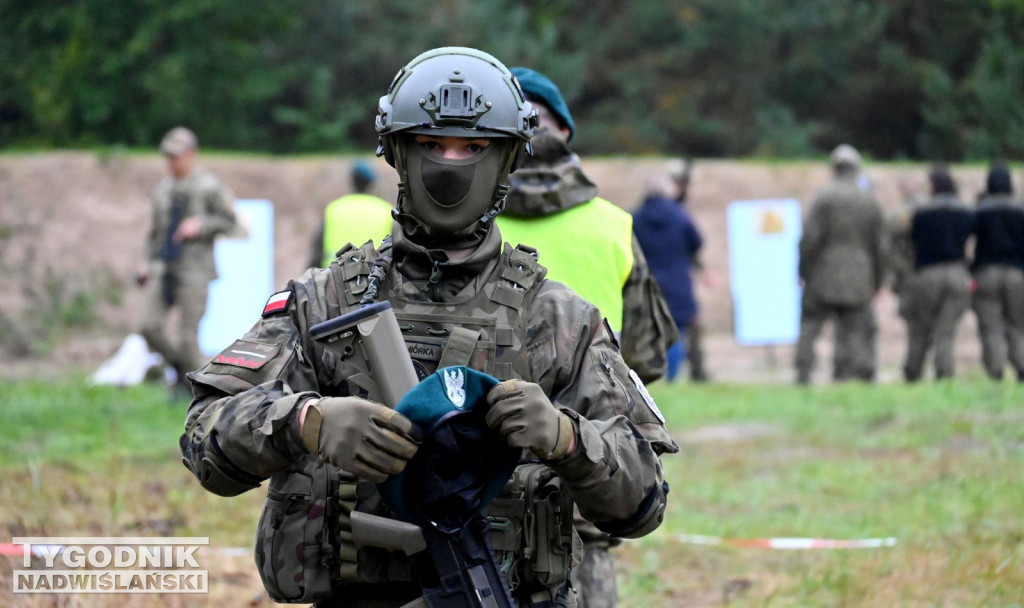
x: 937, y: 467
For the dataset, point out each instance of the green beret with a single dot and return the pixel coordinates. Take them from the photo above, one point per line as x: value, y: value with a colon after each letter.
x: 538, y: 86
x: 462, y: 464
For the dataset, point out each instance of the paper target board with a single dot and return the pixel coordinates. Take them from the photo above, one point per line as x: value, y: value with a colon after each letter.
x: 245, y: 269
x: 764, y: 236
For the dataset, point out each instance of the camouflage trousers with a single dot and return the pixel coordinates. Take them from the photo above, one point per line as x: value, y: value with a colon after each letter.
x: 594, y: 578
x: 855, y: 329
x: 934, y: 300
x: 999, y: 305
x: 190, y: 300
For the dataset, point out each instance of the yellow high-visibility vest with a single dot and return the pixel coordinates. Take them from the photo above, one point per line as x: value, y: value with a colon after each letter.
x: 355, y: 218
x: 588, y: 247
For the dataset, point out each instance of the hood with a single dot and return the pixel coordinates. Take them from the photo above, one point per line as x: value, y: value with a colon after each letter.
x: 546, y: 188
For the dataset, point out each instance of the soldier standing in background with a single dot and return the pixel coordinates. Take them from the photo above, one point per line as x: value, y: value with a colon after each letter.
x: 901, y: 249
x: 352, y: 218
x: 585, y: 241
x: 842, y: 264
x: 937, y: 293
x: 277, y: 404
x: 190, y: 208
x: 999, y: 274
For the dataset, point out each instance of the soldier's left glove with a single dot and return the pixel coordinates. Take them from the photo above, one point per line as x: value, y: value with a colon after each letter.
x: 525, y: 418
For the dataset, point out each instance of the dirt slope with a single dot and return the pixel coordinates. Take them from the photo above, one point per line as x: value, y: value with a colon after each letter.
x: 72, y: 224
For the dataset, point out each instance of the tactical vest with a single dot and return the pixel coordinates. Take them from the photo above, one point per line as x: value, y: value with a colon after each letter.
x: 588, y: 247
x: 487, y: 332
x: 353, y: 219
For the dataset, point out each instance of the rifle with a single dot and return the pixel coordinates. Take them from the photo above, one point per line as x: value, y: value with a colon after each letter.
x: 455, y: 568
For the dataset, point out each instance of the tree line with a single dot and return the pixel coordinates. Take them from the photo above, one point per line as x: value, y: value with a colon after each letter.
x: 914, y: 79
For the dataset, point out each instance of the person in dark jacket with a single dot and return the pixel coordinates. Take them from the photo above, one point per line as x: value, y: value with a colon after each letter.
x: 999, y: 274
x: 937, y: 294
x: 670, y: 241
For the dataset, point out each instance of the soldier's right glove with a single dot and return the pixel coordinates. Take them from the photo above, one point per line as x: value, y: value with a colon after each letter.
x: 525, y: 418
x: 362, y: 437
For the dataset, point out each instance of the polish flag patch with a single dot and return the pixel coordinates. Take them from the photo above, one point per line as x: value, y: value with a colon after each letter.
x: 278, y: 303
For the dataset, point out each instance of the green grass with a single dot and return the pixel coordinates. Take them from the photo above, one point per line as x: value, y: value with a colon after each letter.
x: 939, y: 467
x: 68, y: 421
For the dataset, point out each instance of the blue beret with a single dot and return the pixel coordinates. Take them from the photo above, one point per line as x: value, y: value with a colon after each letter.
x: 363, y: 171
x: 539, y: 86
x: 462, y: 464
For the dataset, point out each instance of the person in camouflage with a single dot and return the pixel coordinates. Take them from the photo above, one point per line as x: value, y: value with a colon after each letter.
x: 190, y: 208
x: 998, y: 271
x: 553, y: 206
x: 937, y: 293
x: 842, y: 264
x: 277, y: 404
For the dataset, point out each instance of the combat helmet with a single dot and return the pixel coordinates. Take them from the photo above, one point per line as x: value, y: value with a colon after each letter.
x: 845, y: 155
x: 460, y: 92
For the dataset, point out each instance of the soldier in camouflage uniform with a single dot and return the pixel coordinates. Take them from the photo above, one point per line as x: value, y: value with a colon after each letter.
x: 842, y: 263
x: 999, y: 273
x: 189, y: 209
x: 277, y: 404
x: 551, y: 187
x: 937, y: 293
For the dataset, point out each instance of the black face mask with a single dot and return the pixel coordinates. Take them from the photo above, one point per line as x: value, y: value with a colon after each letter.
x: 449, y: 196
x: 447, y: 184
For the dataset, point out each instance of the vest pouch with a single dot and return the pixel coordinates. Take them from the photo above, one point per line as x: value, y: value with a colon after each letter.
x: 292, y: 547
x: 532, y: 530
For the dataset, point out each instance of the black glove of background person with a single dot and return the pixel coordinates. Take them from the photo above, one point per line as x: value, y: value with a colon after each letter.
x: 525, y: 418
x: 362, y: 437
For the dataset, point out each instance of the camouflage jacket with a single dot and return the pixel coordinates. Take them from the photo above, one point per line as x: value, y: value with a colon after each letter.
x: 540, y: 190
x: 205, y: 197
x: 242, y: 425
x: 842, y: 248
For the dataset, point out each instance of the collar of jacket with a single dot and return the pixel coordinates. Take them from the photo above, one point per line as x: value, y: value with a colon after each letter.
x: 549, y: 188
x: 419, y: 263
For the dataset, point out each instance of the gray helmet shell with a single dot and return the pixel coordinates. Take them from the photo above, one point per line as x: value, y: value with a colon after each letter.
x: 456, y: 92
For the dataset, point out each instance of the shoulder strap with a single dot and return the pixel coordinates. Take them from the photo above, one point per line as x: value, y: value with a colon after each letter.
x: 351, y: 269
x: 520, y: 271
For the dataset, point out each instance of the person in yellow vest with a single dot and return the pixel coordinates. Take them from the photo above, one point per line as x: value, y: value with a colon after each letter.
x: 353, y: 218
x: 587, y: 243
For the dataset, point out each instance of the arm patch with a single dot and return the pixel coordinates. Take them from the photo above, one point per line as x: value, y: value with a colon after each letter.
x: 247, y: 354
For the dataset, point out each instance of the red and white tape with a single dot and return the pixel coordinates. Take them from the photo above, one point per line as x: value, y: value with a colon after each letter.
x: 787, y: 543
x: 783, y: 543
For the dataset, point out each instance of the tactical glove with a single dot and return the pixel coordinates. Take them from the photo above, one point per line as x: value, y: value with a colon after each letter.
x: 525, y: 418
x: 364, y: 438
